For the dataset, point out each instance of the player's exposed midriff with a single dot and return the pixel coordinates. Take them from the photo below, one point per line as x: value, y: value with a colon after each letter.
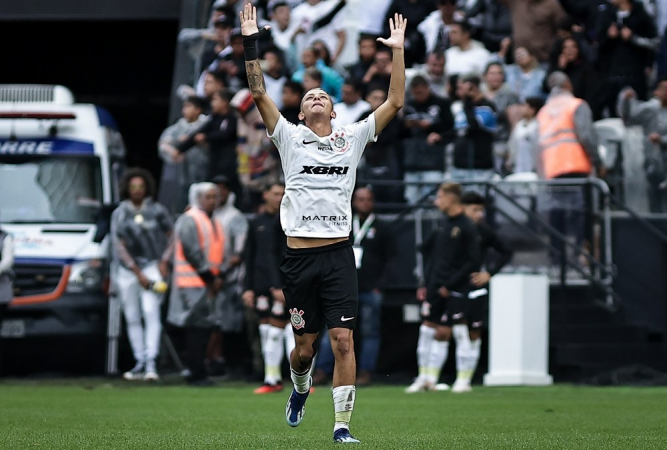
x: 300, y: 242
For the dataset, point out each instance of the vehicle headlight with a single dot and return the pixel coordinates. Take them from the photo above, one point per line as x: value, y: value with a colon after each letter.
x: 86, y: 276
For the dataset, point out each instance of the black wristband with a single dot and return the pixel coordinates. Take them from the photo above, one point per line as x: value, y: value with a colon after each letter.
x: 250, y: 47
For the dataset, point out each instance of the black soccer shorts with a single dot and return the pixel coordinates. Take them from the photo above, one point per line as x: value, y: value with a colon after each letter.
x: 435, y: 309
x: 471, y: 309
x: 321, y: 287
x: 267, y: 307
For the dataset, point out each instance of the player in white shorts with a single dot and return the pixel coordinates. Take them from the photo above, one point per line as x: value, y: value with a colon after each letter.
x: 320, y: 163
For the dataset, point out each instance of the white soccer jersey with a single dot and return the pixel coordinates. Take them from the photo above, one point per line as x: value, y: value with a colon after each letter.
x: 320, y: 173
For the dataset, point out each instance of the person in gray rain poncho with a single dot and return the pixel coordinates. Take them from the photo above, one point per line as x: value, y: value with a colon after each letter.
x: 181, y: 170
x: 652, y: 116
x: 197, y: 282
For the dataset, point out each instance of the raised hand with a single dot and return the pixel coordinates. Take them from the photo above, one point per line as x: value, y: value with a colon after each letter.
x: 248, y: 20
x: 397, y: 25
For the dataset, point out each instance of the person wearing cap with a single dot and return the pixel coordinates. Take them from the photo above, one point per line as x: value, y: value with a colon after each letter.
x: 197, y: 281
x: 141, y: 230
x: 229, y: 308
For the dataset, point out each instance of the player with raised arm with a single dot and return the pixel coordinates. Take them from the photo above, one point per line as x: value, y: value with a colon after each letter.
x: 319, y: 268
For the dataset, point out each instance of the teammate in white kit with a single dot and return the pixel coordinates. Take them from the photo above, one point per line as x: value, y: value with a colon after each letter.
x: 319, y: 266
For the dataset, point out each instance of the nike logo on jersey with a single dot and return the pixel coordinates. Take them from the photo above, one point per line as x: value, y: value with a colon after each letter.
x: 325, y: 170
x: 345, y: 319
x: 308, y: 142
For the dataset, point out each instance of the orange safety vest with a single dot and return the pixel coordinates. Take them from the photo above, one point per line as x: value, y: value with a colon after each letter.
x: 211, y: 239
x: 561, y: 151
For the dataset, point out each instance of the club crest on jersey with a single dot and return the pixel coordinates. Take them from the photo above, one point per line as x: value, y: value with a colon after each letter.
x: 297, y: 319
x: 339, y: 143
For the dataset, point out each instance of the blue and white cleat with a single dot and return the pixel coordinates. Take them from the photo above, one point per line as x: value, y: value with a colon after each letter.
x: 296, y: 408
x: 343, y: 436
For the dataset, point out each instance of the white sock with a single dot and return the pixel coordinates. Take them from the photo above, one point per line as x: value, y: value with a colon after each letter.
x: 343, y: 399
x: 462, y: 337
x: 301, y: 380
x: 472, y: 358
x: 273, y: 355
x: 436, y: 360
x: 426, y: 335
x: 289, y: 340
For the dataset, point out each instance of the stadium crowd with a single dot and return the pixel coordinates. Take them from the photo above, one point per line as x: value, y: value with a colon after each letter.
x: 492, y: 87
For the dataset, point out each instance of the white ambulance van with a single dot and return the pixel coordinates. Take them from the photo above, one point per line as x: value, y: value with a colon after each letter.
x: 59, y: 167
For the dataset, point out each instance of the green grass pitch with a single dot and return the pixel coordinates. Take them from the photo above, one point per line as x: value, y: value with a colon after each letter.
x: 103, y: 414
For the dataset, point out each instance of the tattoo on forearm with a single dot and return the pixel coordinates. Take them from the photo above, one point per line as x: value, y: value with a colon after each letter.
x: 255, y: 77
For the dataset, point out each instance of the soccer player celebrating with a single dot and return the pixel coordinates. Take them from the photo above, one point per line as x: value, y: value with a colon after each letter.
x: 319, y: 267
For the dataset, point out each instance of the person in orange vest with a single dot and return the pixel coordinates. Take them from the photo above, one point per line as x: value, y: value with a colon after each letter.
x: 196, y: 281
x: 568, y: 149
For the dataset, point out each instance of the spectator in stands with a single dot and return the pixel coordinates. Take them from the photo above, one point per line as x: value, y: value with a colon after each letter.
x: 141, y: 230
x: 325, y: 55
x: 434, y: 72
x: 464, y: 55
x: 274, y: 75
x: 567, y: 29
x: 496, y: 23
x: 627, y: 39
x: 284, y: 32
x: 568, y: 149
x: 380, y: 160
x: 197, y: 281
x: 229, y: 307
x: 188, y: 168
x: 379, y: 72
x: 291, y: 99
x: 321, y: 21
x: 535, y: 25
x: 524, y: 146
x: 585, y: 13
x: 504, y: 99
x: 232, y: 63
x: 475, y: 126
x: 213, y: 82
x: 367, y: 49
x: 429, y: 122
x: 525, y: 77
x: 652, y: 116
x: 259, y: 164
x: 581, y: 72
x: 332, y: 81
x: 219, y: 133
x: 352, y: 107
x: 312, y: 78
x: 374, y: 246
x: 6, y: 276
x: 223, y: 26
x: 436, y: 26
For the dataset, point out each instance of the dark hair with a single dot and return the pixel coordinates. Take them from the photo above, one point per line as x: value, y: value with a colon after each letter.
x: 418, y: 80
x: 275, y: 183
x: 295, y: 87
x: 535, y: 102
x: 277, y: 5
x: 367, y: 37
x: 376, y: 87
x: 447, y: 2
x: 451, y: 188
x: 494, y: 63
x: 124, y: 184
x: 315, y: 51
x: 313, y: 73
x: 355, y: 84
x: 326, y: 58
x: 219, y: 76
x: 466, y: 27
x: 195, y: 101
x: 472, y: 198
x: 471, y: 78
x: 224, y: 94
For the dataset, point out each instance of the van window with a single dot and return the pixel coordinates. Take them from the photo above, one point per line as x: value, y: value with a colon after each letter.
x: 36, y: 189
